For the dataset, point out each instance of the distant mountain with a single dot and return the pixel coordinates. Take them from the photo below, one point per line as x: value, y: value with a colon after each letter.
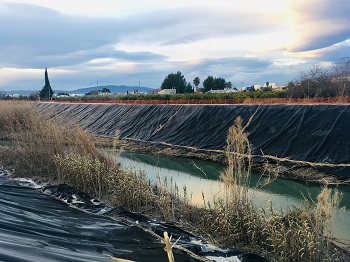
x: 18, y: 92
x: 112, y: 88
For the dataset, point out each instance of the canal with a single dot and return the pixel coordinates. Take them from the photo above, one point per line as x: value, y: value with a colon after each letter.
x: 202, y: 178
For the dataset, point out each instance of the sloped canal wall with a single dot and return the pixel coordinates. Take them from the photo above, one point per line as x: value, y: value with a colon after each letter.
x: 314, y: 133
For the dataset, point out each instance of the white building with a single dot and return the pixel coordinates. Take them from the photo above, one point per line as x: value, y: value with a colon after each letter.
x: 167, y: 91
x: 272, y: 85
x: 230, y: 90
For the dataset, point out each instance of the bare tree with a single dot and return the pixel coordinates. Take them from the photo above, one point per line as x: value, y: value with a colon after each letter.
x: 319, y: 81
x: 2, y: 94
x: 341, y: 76
x: 314, y: 83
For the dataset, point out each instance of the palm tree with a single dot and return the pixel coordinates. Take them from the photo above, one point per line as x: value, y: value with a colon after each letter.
x: 196, y: 82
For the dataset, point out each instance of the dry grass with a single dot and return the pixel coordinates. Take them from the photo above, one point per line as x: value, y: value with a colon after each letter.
x: 42, y: 148
x: 36, y: 139
x: 295, y: 234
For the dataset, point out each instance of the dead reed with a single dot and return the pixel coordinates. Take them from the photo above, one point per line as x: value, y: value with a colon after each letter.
x: 294, y: 234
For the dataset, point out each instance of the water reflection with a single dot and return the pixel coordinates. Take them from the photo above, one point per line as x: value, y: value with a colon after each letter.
x: 200, y: 176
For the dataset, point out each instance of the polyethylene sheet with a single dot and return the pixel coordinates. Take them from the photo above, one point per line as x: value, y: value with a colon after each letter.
x: 314, y: 133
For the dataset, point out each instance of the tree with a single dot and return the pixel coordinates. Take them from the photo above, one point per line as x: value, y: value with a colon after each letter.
x: 267, y: 89
x: 211, y: 83
x: 229, y: 85
x: 196, y: 82
x: 46, y: 92
x: 208, y: 83
x: 62, y: 94
x: 178, y: 82
x: 317, y: 82
x: 93, y: 93
x: 34, y: 96
x: 2, y: 94
x: 105, y: 90
x: 188, y: 88
x: 340, y: 77
x: 219, y: 83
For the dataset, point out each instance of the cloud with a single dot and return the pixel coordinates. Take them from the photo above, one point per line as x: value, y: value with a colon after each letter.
x: 80, y: 57
x: 313, y: 41
x: 34, y: 36
x: 185, y: 39
x: 320, y: 23
x: 247, y: 42
x: 331, y: 53
x: 44, y: 31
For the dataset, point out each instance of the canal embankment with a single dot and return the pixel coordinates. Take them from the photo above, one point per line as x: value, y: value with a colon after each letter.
x: 42, y: 148
x: 298, y: 135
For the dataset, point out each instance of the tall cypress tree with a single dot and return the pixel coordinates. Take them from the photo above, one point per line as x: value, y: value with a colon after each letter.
x: 46, y: 92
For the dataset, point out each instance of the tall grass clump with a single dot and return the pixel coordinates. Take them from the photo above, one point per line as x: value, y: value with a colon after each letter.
x: 295, y: 234
x: 241, y: 222
x: 35, y: 139
x: 46, y: 149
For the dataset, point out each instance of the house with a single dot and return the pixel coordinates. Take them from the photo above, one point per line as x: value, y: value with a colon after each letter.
x: 167, y: 91
x: 226, y: 90
x: 248, y: 88
x: 272, y: 85
x: 61, y: 96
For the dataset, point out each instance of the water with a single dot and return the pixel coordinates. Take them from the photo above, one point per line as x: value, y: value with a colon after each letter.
x: 34, y: 226
x: 58, y: 223
x: 281, y: 192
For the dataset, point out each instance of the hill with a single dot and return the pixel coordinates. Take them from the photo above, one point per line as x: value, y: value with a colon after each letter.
x: 112, y: 88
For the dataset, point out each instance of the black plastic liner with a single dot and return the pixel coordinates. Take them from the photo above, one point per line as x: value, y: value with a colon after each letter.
x: 314, y: 133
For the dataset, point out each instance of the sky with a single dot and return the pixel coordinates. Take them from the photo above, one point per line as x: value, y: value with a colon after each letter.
x: 138, y: 42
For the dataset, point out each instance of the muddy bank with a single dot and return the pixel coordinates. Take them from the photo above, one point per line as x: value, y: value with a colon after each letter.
x: 307, y: 133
